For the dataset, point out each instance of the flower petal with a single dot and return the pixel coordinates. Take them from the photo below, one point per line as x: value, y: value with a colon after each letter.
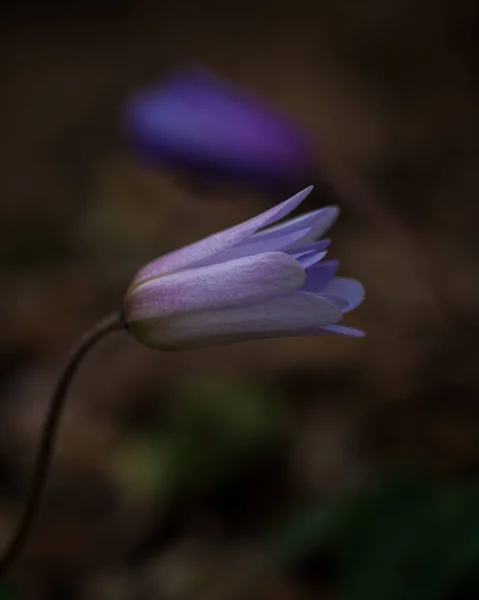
x: 341, y: 303
x: 326, y: 218
x: 253, y: 246
x: 310, y: 259
x: 317, y: 222
x: 213, y: 244
x: 237, y: 282
x: 349, y: 290
x: 282, y: 316
x: 341, y: 330
x: 319, y: 276
x: 310, y: 254
x: 297, y: 251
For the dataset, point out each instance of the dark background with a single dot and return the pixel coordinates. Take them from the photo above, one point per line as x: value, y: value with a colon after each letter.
x: 172, y: 470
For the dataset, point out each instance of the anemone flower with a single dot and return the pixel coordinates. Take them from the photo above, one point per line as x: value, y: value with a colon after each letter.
x: 258, y: 279
x: 243, y: 284
x: 201, y: 125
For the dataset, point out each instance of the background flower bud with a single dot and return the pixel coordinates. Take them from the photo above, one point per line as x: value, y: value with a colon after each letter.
x: 201, y: 125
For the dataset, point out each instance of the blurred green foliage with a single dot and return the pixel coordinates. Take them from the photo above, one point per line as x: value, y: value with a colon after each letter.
x: 218, y: 428
x: 405, y: 537
x: 214, y: 429
x: 402, y: 537
x: 8, y: 591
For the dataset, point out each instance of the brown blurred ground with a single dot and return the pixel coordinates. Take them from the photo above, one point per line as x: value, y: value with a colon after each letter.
x: 390, y: 91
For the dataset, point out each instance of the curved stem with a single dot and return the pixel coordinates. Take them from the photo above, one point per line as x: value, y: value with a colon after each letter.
x: 49, y: 434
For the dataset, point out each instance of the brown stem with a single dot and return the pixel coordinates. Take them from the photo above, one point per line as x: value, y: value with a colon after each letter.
x: 49, y: 434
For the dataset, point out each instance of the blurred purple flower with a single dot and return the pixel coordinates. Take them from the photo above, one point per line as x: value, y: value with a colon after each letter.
x: 241, y: 284
x: 201, y: 125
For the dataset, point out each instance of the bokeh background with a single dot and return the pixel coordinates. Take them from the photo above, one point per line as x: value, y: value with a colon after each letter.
x: 288, y: 470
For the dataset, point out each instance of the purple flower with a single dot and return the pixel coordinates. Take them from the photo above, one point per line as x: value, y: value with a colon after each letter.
x: 243, y: 284
x: 202, y: 125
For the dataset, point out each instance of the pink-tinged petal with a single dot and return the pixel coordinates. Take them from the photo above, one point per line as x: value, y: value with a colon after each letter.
x: 341, y: 330
x: 349, y: 290
x: 206, y: 248
x: 282, y: 316
x: 253, y: 246
x: 319, y: 276
x: 317, y: 222
x: 238, y: 282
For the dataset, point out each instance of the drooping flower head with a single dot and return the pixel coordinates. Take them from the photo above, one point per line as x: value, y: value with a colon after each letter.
x: 243, y: 284
x: 199, y: 124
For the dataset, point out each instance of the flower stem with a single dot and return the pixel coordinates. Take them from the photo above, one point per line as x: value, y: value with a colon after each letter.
x: 49, y: 434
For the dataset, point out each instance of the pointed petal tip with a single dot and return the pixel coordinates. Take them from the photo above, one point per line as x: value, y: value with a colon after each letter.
x: 212, y: 245
x: 324, y: 219
x: 342, y: 330
x: 302, y: 194
x: 336, y: 210
x: 333, y: 211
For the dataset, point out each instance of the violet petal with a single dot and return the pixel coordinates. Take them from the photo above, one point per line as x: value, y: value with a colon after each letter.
x: 213, y: 244
x: 257, y: 246
x: 308, y: 248
x: 311, y: 258
x: 350, y: 290
x: 319, y: 221
x: 341, y: 330
x: 319, y: 276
